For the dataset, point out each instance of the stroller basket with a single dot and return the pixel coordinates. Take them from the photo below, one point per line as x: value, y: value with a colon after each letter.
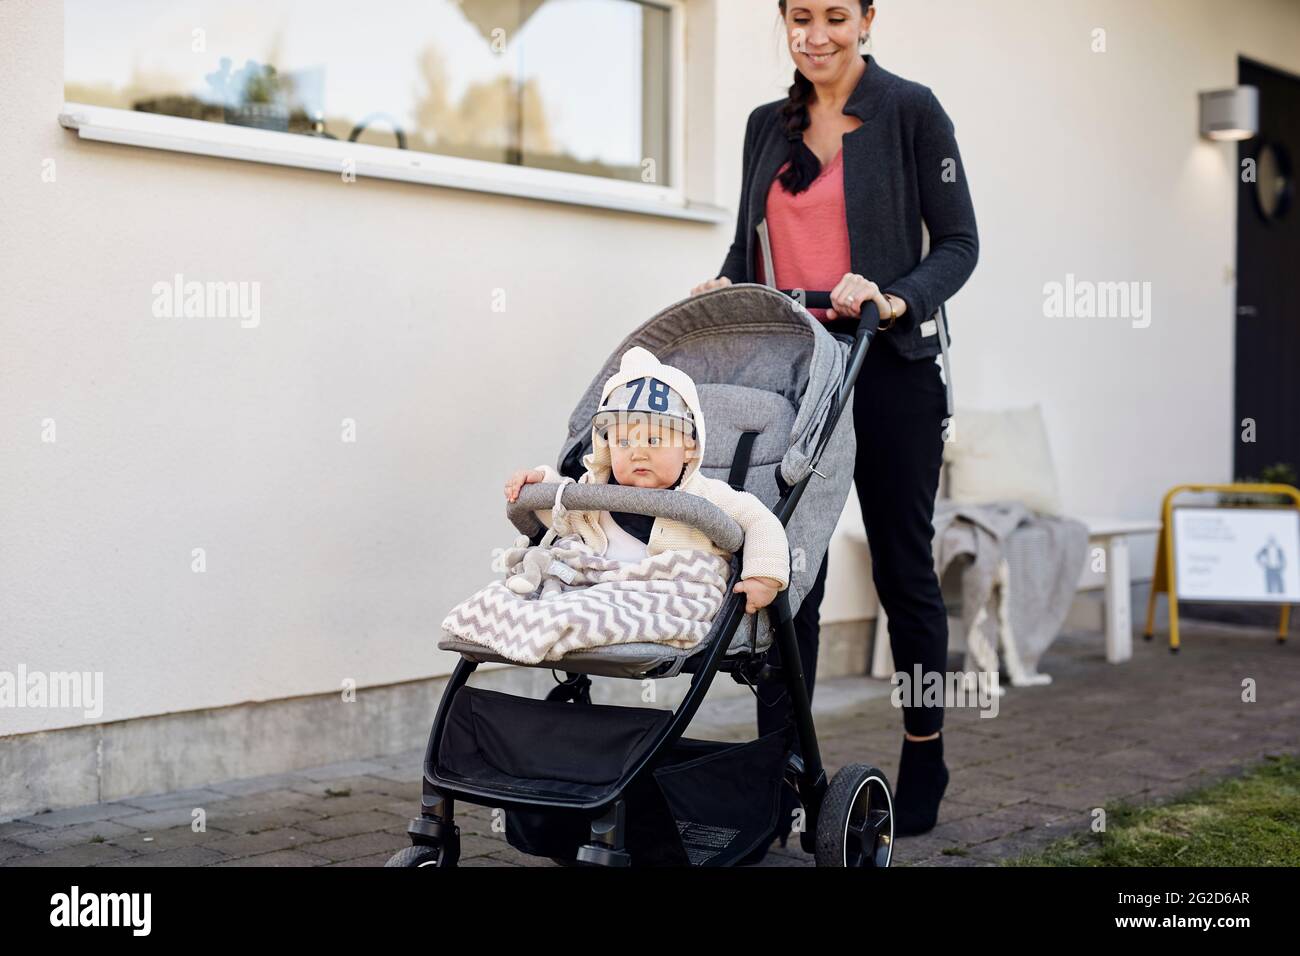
x: 543, y: 748
x: 704, y: 803
x: 707, y: 803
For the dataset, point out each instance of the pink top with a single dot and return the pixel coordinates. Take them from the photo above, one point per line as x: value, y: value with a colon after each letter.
x: 809, y: 233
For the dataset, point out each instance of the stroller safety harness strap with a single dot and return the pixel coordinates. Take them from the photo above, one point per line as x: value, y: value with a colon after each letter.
x: 740, y: 464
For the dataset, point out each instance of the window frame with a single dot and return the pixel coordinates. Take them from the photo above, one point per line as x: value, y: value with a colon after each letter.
x: 180, y: 134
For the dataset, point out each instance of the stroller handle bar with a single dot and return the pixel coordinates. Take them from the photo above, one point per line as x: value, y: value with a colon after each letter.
x: 810, y: 300
x: 699, y: 513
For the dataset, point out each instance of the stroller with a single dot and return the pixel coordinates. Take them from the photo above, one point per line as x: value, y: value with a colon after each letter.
x: 604, y: 785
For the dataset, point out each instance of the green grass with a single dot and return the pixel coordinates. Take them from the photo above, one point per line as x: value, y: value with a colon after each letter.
x: 1251, y: 820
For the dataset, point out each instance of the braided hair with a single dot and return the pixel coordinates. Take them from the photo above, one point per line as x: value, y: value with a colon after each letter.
x: 804, y: 165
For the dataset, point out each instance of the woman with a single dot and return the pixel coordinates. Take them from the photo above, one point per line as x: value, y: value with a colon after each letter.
x: 844, y: 171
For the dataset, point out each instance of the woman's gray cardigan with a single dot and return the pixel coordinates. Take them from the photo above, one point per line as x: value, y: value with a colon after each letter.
x: 901, y: 166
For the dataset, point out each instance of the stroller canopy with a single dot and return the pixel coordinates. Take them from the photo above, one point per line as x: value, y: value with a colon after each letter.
x: 744, y: 335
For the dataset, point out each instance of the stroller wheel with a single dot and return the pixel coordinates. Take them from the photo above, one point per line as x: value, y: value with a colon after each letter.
x: 419, y: 856
x: 855, y: 827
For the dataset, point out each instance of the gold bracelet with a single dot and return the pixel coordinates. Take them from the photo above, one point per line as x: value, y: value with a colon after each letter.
x: 893, y: 317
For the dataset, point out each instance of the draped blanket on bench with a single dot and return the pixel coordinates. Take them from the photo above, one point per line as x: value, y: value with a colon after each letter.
x: 1019, y: 574
x: 668, y: 598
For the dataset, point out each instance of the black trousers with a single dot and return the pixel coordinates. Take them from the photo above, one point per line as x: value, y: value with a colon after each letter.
x: 899, y: 409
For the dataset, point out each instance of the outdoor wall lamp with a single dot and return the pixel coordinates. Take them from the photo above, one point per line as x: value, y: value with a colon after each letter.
x: 1231, y: 114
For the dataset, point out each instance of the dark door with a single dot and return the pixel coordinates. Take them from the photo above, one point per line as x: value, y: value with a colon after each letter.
x: 1268, y: 278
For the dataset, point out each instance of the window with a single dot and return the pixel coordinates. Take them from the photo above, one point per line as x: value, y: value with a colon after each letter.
x: 574, y: 94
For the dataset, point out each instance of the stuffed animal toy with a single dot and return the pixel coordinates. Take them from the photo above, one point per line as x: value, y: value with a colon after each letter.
x: 529, y: 568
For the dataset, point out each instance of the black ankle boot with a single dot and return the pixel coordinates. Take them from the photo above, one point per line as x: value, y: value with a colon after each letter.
x: 922, y: 780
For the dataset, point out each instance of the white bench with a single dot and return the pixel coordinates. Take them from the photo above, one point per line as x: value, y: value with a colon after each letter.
x: 1108, y: 533
x: 1112, y: 534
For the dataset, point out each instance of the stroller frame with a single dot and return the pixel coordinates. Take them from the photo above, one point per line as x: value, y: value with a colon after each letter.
x: 434, y: 835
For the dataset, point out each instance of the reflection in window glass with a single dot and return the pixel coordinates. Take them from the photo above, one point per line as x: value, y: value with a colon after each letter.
x: 573, y: 85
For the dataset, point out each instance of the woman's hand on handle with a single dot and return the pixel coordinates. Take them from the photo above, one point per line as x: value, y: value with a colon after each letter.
x: 712, y: 284
x: 521, y: 478
x: 853, y: 290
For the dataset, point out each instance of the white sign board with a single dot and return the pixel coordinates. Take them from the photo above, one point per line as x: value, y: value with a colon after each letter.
x: 1237, y: 554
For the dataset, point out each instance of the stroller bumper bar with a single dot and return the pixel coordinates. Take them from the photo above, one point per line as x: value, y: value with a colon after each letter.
x: 689, y: 509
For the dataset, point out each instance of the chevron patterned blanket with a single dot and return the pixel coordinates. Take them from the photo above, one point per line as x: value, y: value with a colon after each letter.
x: 592, y: 601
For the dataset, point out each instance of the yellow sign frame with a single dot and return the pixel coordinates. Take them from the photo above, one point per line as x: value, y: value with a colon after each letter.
x: 1163, y: 578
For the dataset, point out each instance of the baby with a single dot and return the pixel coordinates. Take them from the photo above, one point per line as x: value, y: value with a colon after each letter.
x: 649, y: 433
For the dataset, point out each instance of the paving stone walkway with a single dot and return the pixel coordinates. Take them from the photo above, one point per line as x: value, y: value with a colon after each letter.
x: 1142, y: 732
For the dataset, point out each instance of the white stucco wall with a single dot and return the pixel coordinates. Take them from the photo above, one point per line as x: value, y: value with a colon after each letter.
x: 328, y: 560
